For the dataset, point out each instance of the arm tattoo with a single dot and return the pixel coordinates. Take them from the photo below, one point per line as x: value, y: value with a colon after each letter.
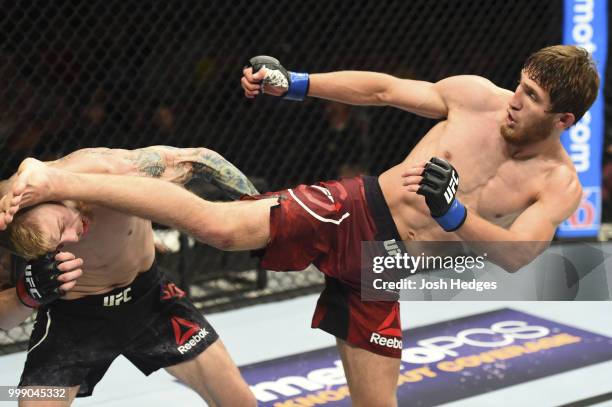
x: 180, y: 165
x: 150, y: 163
x: 217, y: 170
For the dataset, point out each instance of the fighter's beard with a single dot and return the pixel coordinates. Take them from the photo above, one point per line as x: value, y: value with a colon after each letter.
x: 530, y: 135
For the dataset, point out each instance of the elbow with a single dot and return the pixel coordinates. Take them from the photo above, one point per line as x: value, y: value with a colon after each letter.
x: 518, y: 252
x: 511, y: 267
x: 385, y: 90
x: 516, y: 262
x: 382, y: 98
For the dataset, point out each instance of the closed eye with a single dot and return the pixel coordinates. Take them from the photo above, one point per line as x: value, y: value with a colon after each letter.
x: 531, y: 94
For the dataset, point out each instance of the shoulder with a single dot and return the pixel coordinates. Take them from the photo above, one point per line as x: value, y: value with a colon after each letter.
x: 562, y: 168
x: 472, y: 92
x: 562, y: 188
x: 469, y: 82
x: 564, y: 177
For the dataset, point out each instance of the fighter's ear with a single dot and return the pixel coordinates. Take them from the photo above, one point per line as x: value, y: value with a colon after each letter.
x: 566, y: 120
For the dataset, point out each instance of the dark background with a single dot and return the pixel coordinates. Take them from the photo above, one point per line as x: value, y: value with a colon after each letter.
x: 134, y: 73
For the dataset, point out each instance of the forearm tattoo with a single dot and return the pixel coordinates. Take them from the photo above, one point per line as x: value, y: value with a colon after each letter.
x: 178, y: 165
x: 220, y: 172
x: 182, y: 165
x: 150, y: 163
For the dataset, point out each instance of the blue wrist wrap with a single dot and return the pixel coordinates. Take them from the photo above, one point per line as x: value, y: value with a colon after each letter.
x: 298, y: 86
x: 453, y: 219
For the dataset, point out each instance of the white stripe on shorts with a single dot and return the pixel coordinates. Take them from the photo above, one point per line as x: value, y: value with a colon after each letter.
x: 46, y: 332
x: 314, y: 215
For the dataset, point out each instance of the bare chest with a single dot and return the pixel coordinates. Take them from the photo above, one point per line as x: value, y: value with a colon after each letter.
x: 114, y: 250
x: 501, y: 196
x: 492, y: 184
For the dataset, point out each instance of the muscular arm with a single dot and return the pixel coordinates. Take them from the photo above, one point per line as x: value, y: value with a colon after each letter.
x: 184, y: 164
x: 178, y: 165
x: 532, y: 231
x: 433, y: 100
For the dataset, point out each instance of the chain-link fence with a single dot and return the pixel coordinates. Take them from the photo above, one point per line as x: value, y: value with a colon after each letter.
x: 128, y: 74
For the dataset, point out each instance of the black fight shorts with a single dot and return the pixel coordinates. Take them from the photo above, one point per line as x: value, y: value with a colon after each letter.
x: 151, y: 322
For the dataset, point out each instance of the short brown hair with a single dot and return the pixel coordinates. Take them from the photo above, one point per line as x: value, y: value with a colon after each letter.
x: 568, y: 74
x: 24, y: 237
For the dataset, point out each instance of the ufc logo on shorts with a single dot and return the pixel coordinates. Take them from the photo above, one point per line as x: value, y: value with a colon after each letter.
x: 451, y: 190
x: 118, y: 299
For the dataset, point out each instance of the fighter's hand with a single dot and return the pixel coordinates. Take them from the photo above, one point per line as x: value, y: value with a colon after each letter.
x: 47, y: 278
x: 251, y: 82
x: 265, y: 74
x: 71, y: 268
x: 438, y: 182
x: 413, y: 176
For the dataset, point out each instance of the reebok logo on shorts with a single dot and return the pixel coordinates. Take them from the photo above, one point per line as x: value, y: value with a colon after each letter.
x: 190, y: 337
x: 386, y: 328
x: 384, y: 341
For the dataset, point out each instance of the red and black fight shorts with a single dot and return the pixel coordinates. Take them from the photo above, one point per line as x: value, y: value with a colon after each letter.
x: 151, y: 322
x: 325, y: 224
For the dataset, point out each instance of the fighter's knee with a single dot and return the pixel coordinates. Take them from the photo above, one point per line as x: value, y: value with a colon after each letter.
x: 222, y: 237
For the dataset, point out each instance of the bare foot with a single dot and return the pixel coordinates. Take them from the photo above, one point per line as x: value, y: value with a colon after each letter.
x: 9, y: 205
x: 33, y: 183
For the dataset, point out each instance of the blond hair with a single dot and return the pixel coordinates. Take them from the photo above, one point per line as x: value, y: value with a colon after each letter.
x: 24, y: 237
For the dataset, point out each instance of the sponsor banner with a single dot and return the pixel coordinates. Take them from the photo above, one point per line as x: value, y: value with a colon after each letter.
x: 585, y: 24
x: 441, y: 363
x: 485, y: 271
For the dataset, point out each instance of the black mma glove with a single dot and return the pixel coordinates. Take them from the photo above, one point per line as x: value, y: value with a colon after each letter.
x: 439, y: 187
x: 295, y: 84
x: 38, y: 284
